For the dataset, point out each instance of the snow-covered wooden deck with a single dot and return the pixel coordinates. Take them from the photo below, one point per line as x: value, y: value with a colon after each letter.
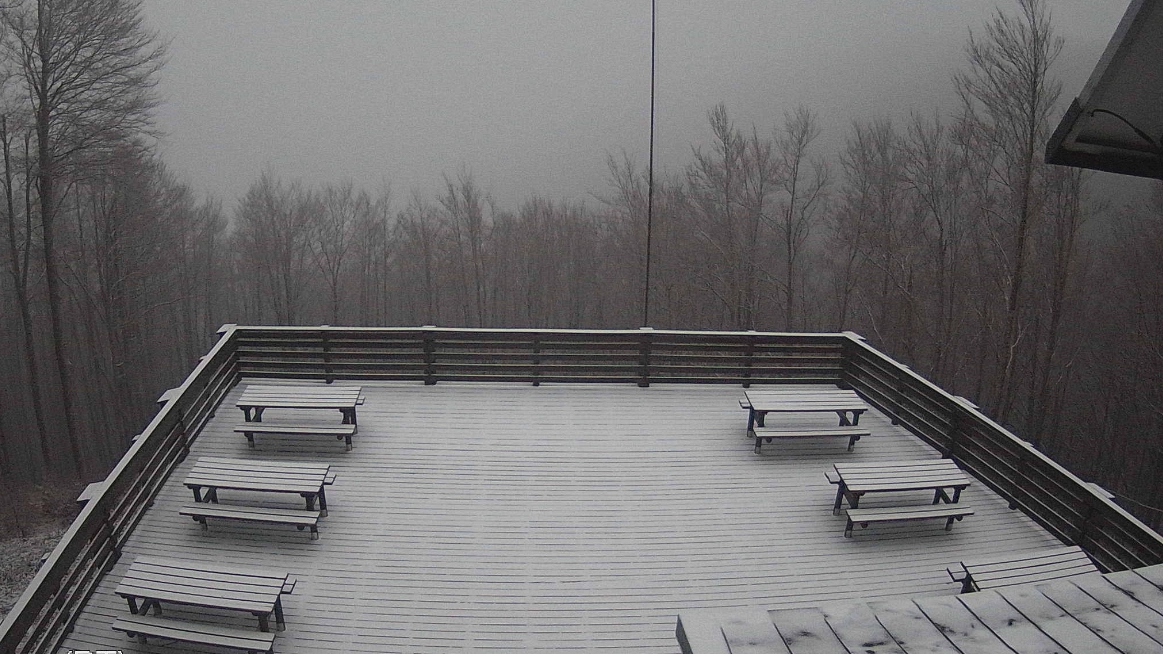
x: 501, y: 517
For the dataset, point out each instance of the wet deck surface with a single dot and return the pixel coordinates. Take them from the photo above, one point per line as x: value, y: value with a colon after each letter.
x: 501, y: 517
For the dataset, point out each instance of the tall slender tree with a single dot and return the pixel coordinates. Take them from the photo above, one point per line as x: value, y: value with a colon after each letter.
x: 89, y: 71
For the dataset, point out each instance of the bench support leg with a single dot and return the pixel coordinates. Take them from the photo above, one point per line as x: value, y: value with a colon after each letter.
x: 848, y: 529
x: 249, y: 439
x: 280, y: 624
x: 314, y: 532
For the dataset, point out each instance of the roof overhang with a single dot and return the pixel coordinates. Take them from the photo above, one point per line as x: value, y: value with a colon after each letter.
x: 1116, y: 122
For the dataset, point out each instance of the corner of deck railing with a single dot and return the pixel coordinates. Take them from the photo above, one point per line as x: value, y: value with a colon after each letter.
x: 43, y: 614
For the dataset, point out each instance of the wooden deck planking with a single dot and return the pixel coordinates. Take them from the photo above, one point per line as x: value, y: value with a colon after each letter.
x: 585, y: 517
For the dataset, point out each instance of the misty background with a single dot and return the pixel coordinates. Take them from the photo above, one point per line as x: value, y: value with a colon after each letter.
x: 530, y: 95
x: 820, y: 166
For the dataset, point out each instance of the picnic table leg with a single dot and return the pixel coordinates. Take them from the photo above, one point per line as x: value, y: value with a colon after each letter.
x: 246, y: 414
x: 197, y: 493
x: 843, y: 418
x: 322, y: 503
x: 956, y: 494
x: 212, y: 495
x: 280, y: 624
x: 750, y: 419
x: 856, y: 417
x: 132, y: 604
x: 258, y: 413
x: 839, y: 498
x: 263, y: 622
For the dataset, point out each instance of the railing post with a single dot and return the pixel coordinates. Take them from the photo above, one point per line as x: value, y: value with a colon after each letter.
x: 644, y: 357
x: 952, y: 440
x: 324, y: 336
x: 536, y: 361
x: 183, y: 437
x: 897, y: 394
x: 429, y: 358
x: 748, y: 357
x: 847, y: 352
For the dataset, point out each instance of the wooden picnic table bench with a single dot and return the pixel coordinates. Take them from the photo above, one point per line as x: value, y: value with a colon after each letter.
x: 257, y: 398
x: 854, y: 480
x: 1022, y: 568
x: 340, y: 432
x: 210, y: 474
x: 760, y: 401
x: 150, y: 581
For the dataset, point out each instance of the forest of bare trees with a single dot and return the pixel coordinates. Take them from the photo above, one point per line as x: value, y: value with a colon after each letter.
x: 940, y: 236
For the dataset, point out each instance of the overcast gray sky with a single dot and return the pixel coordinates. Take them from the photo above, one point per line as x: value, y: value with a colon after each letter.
x: 532, y: 94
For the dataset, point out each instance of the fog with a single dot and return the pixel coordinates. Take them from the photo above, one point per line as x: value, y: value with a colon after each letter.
x: 532, y: 95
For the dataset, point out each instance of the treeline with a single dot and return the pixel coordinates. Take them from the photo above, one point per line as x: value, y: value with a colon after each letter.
x: 942, y: 238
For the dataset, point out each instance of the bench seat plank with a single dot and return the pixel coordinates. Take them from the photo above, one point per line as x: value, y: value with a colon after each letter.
x: 1054, y: 622
x: 343, y: 431
x: 299, y: 517
x: 858, y: 629
x: 1013, y: 628
x: 907, y: 625
x: 196, y: 632
x: 805, y: 631
x: 960, y: 625
x: 753, y: 634
x: 865, y: 517
x: 1098, y: 618
x: 767, y: 434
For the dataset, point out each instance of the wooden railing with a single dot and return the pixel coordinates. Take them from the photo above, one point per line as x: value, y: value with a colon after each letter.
x: 1074, y: 511
x: 1068, y: 507
x: 433, y: 354
x: 45, y: 612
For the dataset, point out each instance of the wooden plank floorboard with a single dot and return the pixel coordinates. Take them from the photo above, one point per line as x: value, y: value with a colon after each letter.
x: 566, y: 517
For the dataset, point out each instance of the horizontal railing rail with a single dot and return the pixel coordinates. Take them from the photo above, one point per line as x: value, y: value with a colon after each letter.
x: 1069, y: 508
x: 43, y: 615
x: 1066, y: 506
x: 643, y: 356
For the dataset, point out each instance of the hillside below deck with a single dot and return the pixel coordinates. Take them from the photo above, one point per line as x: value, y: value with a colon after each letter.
x: 509, y: 517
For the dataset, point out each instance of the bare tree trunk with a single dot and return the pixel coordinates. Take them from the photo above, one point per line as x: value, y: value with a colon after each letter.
x: 19, y: 272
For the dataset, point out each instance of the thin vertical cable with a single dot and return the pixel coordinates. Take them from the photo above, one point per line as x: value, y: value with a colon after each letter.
x: 650, y: 178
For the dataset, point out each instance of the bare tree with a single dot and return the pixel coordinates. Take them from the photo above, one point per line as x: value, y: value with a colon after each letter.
x: 89, y: 73
x: 803, y: 193
x: 464, y: 202
x: 1008, y: 91
x: 20, y: 243
x: 341, y: 210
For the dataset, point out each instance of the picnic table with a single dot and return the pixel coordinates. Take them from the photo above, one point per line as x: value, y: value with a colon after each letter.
x: 1012, y: 569
x: 256, y: 399
x: 214, y: 473
x: 795, y: 399
x: 149, y: 581
x: 854, y: 480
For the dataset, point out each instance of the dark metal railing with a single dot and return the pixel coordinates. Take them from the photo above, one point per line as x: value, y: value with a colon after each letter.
x: 1068, y: 507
